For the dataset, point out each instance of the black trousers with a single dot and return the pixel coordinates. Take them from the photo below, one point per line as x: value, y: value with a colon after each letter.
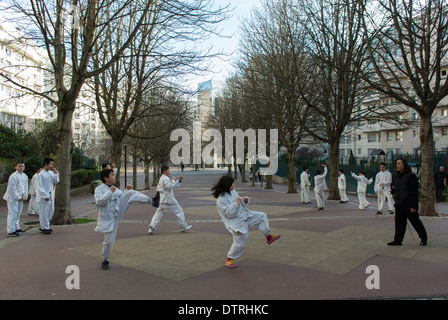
x: 401, y: 217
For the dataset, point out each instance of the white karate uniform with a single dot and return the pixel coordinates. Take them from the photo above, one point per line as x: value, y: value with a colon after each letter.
x: 111, y: 208
x: 384, y: 192
x: 166, y: 187
x: 305, y: 185
x: 342, y: 186
x: 46, y: 181
x: 237, y: 219
x: 33, y: 206
x: 16, y: 189
x: 362, y: 187
x: 319, y: 186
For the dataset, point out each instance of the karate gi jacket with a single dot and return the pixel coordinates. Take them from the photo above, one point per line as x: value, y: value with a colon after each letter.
x: 304, y: 180
x: 45, y: 185
x: 166, y: 187
x: 232, y: 214
x: 17, y: 187
x: 342, y: 183
x: 114, y: 204
x: 385, y: 178
x: 319, y: 181
x: 362, y: 183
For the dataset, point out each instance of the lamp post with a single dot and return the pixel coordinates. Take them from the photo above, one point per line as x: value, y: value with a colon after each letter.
x: 125, y: 165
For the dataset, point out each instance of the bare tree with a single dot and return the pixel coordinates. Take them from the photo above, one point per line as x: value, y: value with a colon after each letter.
x: 407, y: 45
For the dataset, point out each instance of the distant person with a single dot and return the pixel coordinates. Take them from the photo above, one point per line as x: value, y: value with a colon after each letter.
x: 33, y: 206
x: 16, y: 193
x: 166, y: 187
x: 319, y: 187
x: 404, y: 188
x: 440, y: 181
x: 362, y: 188
x: 237, y: 218
x: 342, y: 186
x: 383, y: 180
x: 46, y: 181
x: 305, y: 186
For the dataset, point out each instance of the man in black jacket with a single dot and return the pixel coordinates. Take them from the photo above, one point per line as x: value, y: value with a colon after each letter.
x: 404, y: 187
x: 440, y: 181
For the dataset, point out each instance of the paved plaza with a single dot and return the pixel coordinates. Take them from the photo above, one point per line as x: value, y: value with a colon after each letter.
x: 321, y: 255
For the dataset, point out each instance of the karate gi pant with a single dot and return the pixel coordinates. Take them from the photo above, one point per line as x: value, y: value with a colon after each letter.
x: 343, y: 195
x: 259, y: 220
x: 382, y: 196
x: 46, y: 210
x: 320, y: 198
x: 14, y: 210
x: 363, y: 203
x: 305, y: 195
x: 174, y: 208
x: 401, y: 217
x: 33, y: 206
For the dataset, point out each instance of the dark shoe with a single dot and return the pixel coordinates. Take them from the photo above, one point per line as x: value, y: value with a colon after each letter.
x: 46, y: 231
x: 424, y: 242
x: 105, y: 265
x: 391, y: 212
x: 13, y: 234
x: 394, y: 243
x: 379, y: 212
x: 307, y: 202
x: 20, y: 231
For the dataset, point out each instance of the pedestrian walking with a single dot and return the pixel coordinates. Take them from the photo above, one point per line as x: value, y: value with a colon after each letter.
x: 305, y: 185
x: 363, y: 182
x: 112, y: 205
x: 46, y: 181
x: 440, y: 180
x: 404, y: 188
x: 33, y: 206
x: 342, y: 186
x: 237, y: 218
x: 16, y: 193
x: 166, y: 187
x: 319, y: 187
x: 383, y: 180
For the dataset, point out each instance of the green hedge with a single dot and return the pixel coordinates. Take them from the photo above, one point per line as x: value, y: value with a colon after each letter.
x: 82, y: 177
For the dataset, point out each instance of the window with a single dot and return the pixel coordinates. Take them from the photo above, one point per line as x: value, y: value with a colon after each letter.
x: 359, y: 151
x: 444, y: 132
x: 415, y: 133
x: 444, y: 112
x: 399, y: 135
x: 371, y: 137
x: 443, y: 73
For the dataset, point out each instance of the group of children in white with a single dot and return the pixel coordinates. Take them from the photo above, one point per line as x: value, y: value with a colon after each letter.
x: 113, y: 203
x: 41, y: 189
x: 382, y: 188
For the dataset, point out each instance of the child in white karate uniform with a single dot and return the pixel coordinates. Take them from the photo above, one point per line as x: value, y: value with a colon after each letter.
x: 112, y: 205
x: 237, y: 218
x: 319, y: 187
x: 362, y: 187
x: 16, y: 193
x: 46, y: 180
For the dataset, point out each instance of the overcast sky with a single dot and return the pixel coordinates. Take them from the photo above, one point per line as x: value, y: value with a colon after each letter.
x: 242, y: 9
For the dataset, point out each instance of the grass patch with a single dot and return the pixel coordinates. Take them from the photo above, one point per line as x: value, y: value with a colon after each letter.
x: 84, y: 220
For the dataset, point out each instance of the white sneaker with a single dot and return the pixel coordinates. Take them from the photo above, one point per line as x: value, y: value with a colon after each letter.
x: 186, y: 228
x: 151, y: 231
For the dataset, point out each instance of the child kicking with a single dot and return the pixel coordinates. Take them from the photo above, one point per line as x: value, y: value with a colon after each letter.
x: 237, y: 218
x: 112, y: 205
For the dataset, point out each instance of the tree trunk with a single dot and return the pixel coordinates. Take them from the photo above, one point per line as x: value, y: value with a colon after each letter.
x: 268, y: 182
x: 254, y: 167
x: 243, y: 172
x: 147, y: 187
x: 333, y: 193
x: 134, y: 171
x: 115, y: 153
x: 427, y: 195
x: 154, y: 172
x: 292, y: 170
x: 63, y: 163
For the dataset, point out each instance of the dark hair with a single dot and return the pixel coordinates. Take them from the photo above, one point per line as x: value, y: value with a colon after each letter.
x: 223, y: 185
x: 318, y: 171
x: 164, y: 168
x: 104, y: 166
x: 382, y: 164
x: 105, y: 174
x: 19, y: 162
x: 47, y: 161
x: 362, y: 173
x: 304, y: 168
x: 405, y: 163
x: 341, y: 170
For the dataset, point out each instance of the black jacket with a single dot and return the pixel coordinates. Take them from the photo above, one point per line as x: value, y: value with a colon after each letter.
x: 404, y: 188
x: 439, y: 179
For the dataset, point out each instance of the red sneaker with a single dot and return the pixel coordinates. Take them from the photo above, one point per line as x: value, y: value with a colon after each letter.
x: 273, y: 238
x: 230, y: 263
